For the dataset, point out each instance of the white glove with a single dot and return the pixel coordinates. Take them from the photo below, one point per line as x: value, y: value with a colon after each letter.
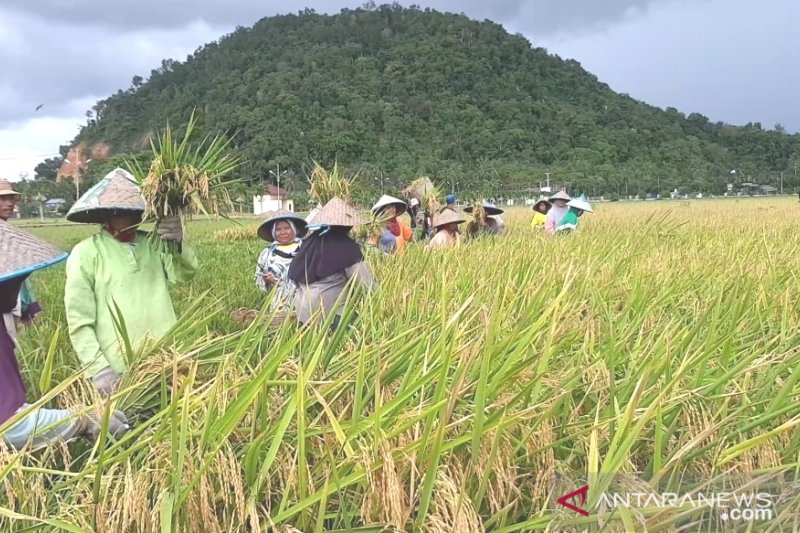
x: 106, y: 382
x: 170, y: 229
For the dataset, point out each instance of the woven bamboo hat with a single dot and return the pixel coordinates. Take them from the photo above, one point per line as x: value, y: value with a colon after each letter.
x: 447, y: 216
x: 581, y: 203
x: 6, y: 189
x: 560, y: 195
x: 488, y: 207
x: 21, y: 253
x: 116, y: 192
x: 337, y: 213
x: 273, y: 217
x: 387, y: 200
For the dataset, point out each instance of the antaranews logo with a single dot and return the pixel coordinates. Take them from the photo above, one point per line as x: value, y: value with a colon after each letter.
x: 566, y: 500
x: 715, y: 505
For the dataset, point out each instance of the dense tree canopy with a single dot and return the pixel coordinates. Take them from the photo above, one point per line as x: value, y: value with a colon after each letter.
x: 397, y: 93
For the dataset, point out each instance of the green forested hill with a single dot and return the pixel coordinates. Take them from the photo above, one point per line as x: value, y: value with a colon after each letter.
x: 406, y: 92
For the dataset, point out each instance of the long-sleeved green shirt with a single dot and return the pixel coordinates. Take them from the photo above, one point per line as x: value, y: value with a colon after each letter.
x: 135, y: 276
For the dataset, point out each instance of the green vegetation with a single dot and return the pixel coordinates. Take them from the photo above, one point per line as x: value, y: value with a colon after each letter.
x: 397, y: 93
x: 661, y: 338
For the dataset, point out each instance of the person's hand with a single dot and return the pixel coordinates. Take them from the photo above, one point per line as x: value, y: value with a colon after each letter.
x: 91, y: 424
x: 106, y: 382
x: 269, y: 278
x: 170, y: 229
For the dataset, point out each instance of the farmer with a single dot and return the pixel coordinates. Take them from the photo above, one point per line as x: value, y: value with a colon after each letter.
x: 27, y: 306
x: 447, y: 234
x: 327, y: 260
x: 122, y: 268
x: 449, y: 203
x: 577, y: 207
x: 557, y: 211
x: 489, y: 223
x: 23, y: 253
x: 283, y: 230
x: 389, y: 208
x: 540, y: 209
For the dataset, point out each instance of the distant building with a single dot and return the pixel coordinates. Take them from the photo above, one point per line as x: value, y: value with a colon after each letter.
x: 53, y: 205
x: 272, y: 201
x: 754, y: 189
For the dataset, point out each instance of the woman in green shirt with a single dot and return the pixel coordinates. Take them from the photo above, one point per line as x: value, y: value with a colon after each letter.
x: 120, y: 267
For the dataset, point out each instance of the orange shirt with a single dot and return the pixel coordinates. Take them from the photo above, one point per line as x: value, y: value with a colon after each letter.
x: 405, y: 236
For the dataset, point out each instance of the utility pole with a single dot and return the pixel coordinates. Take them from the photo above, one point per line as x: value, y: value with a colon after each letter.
x: 548, y: 179
x: 781, y: 182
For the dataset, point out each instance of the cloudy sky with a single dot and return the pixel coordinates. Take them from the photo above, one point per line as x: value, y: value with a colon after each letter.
x: 732, y: 60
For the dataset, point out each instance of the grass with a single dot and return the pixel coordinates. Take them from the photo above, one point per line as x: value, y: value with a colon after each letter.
x: 661, y: 338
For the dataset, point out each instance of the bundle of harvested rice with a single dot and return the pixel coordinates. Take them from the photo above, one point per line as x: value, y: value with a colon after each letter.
x: 185, y: 179
x: 477, y: 219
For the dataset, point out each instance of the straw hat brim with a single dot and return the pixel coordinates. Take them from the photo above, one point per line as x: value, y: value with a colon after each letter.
x: 8, y: 192
x: 22, y: 253
x: 265, y: 229
x: 446, y: 217
x: 100, y: 215
x: 488, y: 209
x: 338, y: 213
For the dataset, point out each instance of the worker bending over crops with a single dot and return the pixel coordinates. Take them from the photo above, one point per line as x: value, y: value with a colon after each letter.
x: 24, y: 425
x: 27, y: 305
x: 540, y: 210
x: 447, y: 234
x: 388, y: 209
x: 486, y: 220
x: 283, y: 230
x: 327, y: 260
x: 557, y: 210
x: 120, y: 268
x: 569, y: 222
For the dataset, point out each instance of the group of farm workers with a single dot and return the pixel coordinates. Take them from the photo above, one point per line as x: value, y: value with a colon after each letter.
x: 559, y: 214
x: 117, y: 284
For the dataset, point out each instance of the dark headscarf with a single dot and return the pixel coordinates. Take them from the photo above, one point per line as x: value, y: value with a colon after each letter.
x: 323, y: 255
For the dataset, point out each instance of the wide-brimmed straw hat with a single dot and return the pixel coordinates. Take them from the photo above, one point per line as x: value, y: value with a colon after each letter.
x: 21, y: 253
x: 542, y: 201
x: 447, y: 216
x: 581, y: 203
x: 6, y: 189
x: 116, y: 192
x: 387, y: 200
x: 338, y: 213
x: 560, y: 195
x: 273, y: 217
x: 488, y: 207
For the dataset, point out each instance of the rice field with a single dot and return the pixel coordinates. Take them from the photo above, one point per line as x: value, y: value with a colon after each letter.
x: 662, y: 340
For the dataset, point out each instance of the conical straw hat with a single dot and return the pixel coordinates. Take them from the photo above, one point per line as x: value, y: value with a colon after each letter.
x: 21, y: 253
x: 447, y: 216
x: 265, y: 229
x: 581, y: 203
x: 337, y: 213
x: 386, y: 200
x: 117, y: 191
x: 488, y: 207
x: 560, y: 195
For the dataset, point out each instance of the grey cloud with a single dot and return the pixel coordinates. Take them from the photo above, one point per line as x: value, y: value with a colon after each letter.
x: 71, y: 64
x: 538, y: 16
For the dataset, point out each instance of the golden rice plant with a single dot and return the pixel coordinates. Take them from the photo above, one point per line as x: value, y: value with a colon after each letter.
x: 184, y: 178
x: 325, y: 184
x: 660, y: 339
